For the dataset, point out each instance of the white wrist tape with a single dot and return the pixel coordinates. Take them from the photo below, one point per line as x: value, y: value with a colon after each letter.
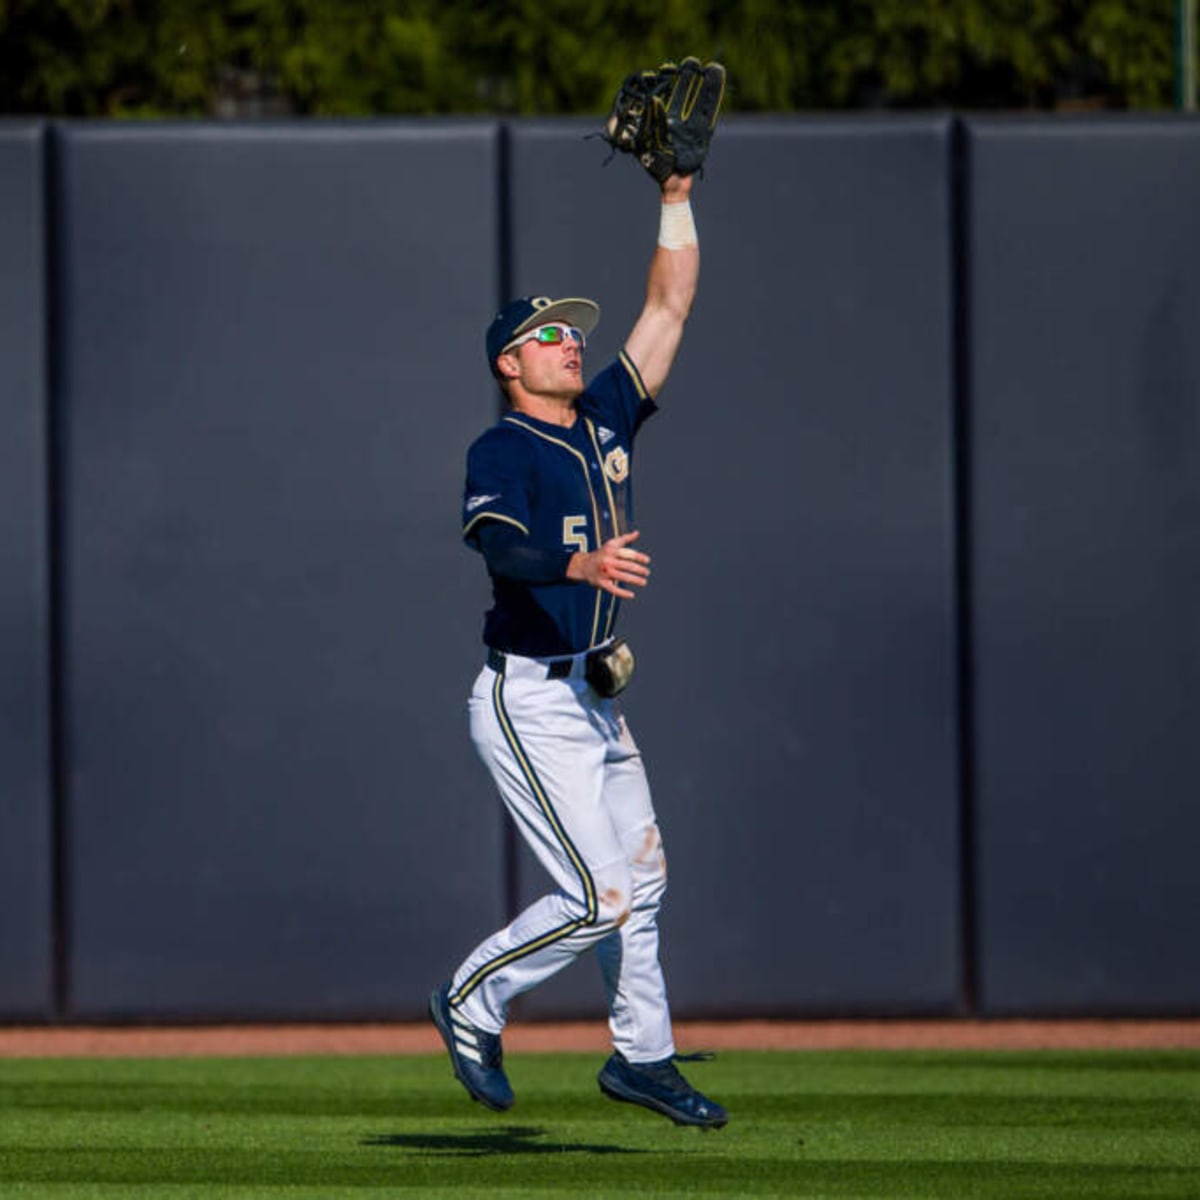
x: 677, y: 228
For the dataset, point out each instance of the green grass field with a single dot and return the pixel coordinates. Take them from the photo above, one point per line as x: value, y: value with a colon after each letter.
x: 862, y: 1124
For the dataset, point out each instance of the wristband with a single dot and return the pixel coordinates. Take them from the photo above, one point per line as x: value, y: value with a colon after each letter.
x: 677, y: 228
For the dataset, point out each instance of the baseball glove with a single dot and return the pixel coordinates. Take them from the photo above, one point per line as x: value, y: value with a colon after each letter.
x: 666, y: 116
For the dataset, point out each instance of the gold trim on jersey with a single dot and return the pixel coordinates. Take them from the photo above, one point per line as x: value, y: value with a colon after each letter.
x: 493, y: 516
x: 634, y: 374
x: 612, y: 508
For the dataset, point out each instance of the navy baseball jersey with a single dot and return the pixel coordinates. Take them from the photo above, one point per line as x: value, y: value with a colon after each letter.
x: 565, y: 489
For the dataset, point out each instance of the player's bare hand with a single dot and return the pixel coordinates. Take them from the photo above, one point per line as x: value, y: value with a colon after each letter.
x: 677, y: 188
x: 615, y: 567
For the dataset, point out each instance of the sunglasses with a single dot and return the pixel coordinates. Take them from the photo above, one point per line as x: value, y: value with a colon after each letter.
x: 549, y: 335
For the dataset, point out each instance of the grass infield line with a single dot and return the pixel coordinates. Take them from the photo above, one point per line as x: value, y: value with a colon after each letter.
x: 901, y: 1125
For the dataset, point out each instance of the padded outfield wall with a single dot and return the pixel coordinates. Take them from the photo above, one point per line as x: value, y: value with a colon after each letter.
x: 796, y: 694
x: 1085, y: 543
x: 264, y: 386
x: 27, y: 877
x: 918, y: 667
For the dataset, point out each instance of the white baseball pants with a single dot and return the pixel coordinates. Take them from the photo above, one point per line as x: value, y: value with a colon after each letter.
x: 573, y: 781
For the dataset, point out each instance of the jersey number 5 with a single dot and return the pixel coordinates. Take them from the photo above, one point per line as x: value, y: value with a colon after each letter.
x: 575, y: 533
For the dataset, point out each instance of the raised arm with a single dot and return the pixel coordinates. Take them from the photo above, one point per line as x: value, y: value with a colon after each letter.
x: 670, y: 288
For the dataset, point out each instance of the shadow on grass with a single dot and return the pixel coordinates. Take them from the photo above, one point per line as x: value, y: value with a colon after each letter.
x: 516, y: 1139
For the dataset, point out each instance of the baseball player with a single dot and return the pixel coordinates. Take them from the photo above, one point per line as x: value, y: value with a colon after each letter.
x: 548, y: 505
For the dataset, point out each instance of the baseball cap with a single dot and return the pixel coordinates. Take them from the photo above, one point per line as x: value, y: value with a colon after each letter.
x: 518, y: 316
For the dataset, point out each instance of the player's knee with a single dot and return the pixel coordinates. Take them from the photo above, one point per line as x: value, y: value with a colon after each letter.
x: 613, y: 910
x: 614, y: 895
x: 649, y: 888
x: 652, y: 883
x: 649, y: 868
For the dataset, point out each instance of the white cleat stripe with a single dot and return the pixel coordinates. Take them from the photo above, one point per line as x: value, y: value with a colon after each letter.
x: 469, y: 1052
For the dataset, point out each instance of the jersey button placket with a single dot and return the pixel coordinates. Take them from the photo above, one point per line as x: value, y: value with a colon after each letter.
x: 600, y: 478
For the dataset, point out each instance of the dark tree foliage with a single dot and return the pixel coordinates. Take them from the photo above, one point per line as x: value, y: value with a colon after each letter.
x: 129, y: 58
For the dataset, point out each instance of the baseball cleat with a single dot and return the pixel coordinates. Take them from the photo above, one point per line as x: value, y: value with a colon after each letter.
x: 476, y: 1056
x: 660, y: 1086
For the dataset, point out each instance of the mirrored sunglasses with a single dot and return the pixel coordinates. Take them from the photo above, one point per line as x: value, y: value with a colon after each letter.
x: 549, y: 335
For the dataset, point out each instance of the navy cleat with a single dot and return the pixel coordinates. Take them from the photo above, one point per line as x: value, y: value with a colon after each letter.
x: 659, y: 1085
x: 476, y: 1056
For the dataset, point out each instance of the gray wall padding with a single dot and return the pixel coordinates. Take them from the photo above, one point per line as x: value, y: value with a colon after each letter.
x: 1085, y: 306
x: 26, y: 839
x: 266, y: 366
x: 270, y: 373
x: 795, y: 696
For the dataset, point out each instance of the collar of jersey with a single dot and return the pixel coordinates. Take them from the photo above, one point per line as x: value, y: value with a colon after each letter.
x: 554, y: 430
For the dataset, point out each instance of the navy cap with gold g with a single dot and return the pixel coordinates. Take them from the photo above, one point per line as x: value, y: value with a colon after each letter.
x: 519, y: 316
